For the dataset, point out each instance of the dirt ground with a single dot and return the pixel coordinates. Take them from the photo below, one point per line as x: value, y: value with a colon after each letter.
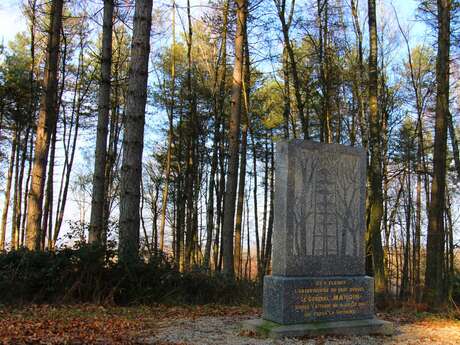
x: 199, y: 325
x: 212, y: 330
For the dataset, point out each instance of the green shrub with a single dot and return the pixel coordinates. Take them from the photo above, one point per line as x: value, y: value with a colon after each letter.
x: 91, y: 275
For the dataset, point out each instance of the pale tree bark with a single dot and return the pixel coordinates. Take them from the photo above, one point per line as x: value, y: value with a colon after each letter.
x: 375, y: 198
x: 360, y: 83
x: 190, y: 185
x: 268, y: 242
x: 454, y: 143
x: 324, y: 78
x: 265, y: 206
x: 96, y: 226
x: 46, y: 124
x: 22, y: 235
x: 70, y: 145
x: 219, y: 99
x: 133, y: 140
x: 256, y: 211
x: 233, y: 139
x: 48, y: 206
x: 18, y: 207
x: 434, y: 292
x: 9, y: 178
x: 17, y: 190
x: 244, y: 141
x: 164, y: 203
x: 286, y: 95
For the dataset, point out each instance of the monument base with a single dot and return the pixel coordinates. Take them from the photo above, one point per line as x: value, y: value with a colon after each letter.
x: 352, y: 327
x: 299, y: 300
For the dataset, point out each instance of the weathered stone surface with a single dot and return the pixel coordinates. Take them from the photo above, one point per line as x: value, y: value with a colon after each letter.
x: 319, y: 209
x: 318, y: 284
x: 353, y: 327
x: 292, y: 300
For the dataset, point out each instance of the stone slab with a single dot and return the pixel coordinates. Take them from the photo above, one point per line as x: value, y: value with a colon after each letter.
x: 270, y: 329
x: 294, y: 300
x: 319, y: 209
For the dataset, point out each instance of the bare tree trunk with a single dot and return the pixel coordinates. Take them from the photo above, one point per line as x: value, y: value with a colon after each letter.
x: 8, y: 190
x: 286, y: 94
x: 454, y: 143
x: 96, y: 226
x: 15, y: 232
x: 375, y: 198
x: 68, y: 163
x: 360, y: 86
x: 46, y: 123
x: 191, y: 144
x: 265, y: 209
x: 233, y: 139
x: 285, y: 26
x: 405, y: 289
x: 22, y: 234
x: 322, y: 17
x: 70, y: 144
x: 17, y: 192
x: 268, y: 242
x: 450, y: 247
x: 133, y: 141
x: 164, y: 204
x: 220, y: 77
x: 47, y: 208
x: 244, y: 141
x: 256, y: 217
x: 418, y: 230
x: 247, y: 268
x: 434, y: 293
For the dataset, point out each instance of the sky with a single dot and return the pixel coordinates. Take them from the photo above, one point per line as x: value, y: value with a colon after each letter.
x: 12, y: 21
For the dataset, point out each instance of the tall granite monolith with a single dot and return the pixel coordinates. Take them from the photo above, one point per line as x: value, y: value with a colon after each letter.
x: 318, y: 283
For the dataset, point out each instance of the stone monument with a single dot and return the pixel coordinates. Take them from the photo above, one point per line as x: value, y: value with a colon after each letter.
x: 318, y: 283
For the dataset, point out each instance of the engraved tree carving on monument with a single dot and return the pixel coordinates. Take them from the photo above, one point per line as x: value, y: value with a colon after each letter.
x: 304, y: 194
x: 326, y: 227
x: 326, y: 206
x: 349, y: 209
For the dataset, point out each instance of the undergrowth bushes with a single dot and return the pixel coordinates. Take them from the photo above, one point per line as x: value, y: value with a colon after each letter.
x: 91, y: 275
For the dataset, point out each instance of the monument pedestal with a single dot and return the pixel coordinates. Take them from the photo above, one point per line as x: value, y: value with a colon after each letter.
x: 311, y: 306
x: 353, y: 327
x: 294, y: 300
x: 318, y: 283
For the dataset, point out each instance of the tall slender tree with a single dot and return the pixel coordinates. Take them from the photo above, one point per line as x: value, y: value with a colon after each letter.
x: 375, y: 195
x: 233, y: 140
x: 164, y: 203
x: 46, y: 124
x: 286, y: 21
x: 97, y: 201
x: 244, y: 141
x: 133, y: 140
x: 434, y: 292
x: 8, y: 189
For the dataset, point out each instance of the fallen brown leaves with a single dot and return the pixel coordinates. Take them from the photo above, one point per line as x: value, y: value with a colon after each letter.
x: 89, y: 324
x: 68, y: 325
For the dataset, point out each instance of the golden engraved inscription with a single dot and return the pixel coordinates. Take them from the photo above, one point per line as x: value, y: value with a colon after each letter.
x: 331, y: 298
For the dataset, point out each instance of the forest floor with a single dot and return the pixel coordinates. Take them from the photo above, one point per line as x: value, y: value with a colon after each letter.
x: 185, y: 325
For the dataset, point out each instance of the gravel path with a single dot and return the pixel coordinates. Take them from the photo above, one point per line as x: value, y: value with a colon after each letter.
x: 224, y: 330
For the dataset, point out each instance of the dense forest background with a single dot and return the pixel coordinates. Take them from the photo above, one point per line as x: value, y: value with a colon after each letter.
x: 151, y: 130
